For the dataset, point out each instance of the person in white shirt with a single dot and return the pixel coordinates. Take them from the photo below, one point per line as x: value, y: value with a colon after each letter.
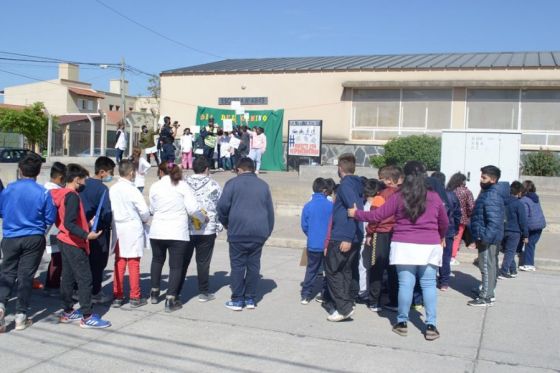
x: 130, y: 212
x: 186, y: 149
x: 141, y: 166
x: 171, y: 203
x: 120, y: 144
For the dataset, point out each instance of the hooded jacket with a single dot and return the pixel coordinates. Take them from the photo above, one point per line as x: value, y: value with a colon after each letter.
x: 207, y: 192
x: 349, y: 192
x: 487, y: 221
x: 516, y: 217
x: 535, y: 216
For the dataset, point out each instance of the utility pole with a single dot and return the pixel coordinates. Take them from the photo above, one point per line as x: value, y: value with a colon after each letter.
x: 123, y: 105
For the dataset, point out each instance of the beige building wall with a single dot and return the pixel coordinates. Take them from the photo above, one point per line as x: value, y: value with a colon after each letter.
x: 320, y: 95
x: 53, y: 95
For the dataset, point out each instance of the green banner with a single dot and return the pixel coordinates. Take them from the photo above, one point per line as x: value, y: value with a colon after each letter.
x: 270, y: 120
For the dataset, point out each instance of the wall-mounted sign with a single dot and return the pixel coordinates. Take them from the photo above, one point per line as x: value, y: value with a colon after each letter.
x: 243, y: 100
x: 304, y: 138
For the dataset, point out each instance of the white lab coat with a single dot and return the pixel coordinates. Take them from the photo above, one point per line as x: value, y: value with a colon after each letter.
x: 130, y: 212
x: 171, y: 206
x: 143, y: 167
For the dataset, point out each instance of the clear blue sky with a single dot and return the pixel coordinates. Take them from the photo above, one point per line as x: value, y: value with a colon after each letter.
x: 87, y: 31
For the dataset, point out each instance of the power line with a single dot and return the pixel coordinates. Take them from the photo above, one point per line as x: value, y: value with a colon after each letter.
x: 43, y: 59
x: 157, y: 32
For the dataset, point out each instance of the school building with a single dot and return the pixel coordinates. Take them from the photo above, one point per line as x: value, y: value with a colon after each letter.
x: 364, y: 101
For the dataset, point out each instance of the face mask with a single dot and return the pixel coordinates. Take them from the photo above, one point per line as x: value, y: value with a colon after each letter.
x: 107, y: 179
x: 81, y: 188
x: 485, y: 185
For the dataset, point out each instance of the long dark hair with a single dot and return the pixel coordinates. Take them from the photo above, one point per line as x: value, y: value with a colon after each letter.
x: 173, y: 171
x: 414, y: 190
x: 457, y: 180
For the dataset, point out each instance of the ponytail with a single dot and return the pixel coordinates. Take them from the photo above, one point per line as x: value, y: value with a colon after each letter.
x: 173, y: 171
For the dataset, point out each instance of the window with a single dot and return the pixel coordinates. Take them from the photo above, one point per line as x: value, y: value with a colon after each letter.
x: 376, y: 108
x: 117, y: 108
x: 110, y: 107
x: 90, y: 105
x: 492, y: 108
x: 426, y: 108
x: 540, y: 110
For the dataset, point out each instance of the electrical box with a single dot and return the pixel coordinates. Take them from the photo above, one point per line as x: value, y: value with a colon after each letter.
x: 469, y: 151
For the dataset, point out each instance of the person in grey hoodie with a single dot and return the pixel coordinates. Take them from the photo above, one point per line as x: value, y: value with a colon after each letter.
x: 207, y: 192
x: 245, y: 209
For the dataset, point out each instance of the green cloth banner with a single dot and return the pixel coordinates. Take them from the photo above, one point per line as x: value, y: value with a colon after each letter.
x: 270, y: 120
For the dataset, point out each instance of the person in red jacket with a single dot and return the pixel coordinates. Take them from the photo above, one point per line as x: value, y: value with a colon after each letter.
x: 74, y: 239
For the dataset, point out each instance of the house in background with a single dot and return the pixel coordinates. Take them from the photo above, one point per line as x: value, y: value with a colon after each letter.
x: 87, y: 118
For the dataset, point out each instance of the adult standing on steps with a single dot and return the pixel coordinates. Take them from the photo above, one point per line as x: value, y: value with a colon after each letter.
x: 120, y: 142
x: 245, y: 209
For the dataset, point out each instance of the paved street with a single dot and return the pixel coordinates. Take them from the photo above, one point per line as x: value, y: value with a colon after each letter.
x: 519, y: 334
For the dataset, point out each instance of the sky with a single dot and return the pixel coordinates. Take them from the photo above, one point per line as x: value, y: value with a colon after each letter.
x: 186, y: 33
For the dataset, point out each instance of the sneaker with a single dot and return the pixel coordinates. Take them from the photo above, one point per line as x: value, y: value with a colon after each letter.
x: 444, y: 288
x: 374, y: 307
x: 206, y: 297
x: 234, y: 305
x: 172, y: 304
x: 117, y: 303
x: 513, y: 274
x: 319, y: 298
x: 94, y: 322
x: 37, y: 284
x: 2, y: 320
x: 455, y: 262
x: 154, y: 296
x: 336, y: 317
x: 101, y: 298
x: 503, y: 276
x: 138, y: 302
x: 391, y: 307
x: 417, y: 307
x: 431, y: 333
x: 401, y: 329
x: 481, y: 302
x: 527, y: 268
x: 305, y: 300
x: 22, y: 321
x: 250, y: 304
x: 67, y: 318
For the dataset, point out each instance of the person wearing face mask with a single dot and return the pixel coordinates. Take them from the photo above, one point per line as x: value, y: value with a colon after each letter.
x: 75, y: 238
x: 95, y: 198
x: 487, y: 226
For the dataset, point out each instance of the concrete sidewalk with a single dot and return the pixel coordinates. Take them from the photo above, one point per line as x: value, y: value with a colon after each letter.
x: 519, y: 334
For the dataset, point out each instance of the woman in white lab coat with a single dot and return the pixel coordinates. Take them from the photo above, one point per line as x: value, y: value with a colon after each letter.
x: 171, y: 203
x: 130, y: 213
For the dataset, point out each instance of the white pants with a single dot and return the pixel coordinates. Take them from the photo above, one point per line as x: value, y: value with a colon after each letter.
x: 255, y: 155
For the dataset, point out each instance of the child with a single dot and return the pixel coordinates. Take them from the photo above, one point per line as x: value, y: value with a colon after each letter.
x: 314, y: 223
x: 381, y: 244
x: 535, y: 222
x: 74, y: 237
x: 52, y: 285
x: 516, y: 229
x: 130, y: 212
x: 225, y: 152
x: 487, y: 225
x: 186, y: 149
x: 141, y: 166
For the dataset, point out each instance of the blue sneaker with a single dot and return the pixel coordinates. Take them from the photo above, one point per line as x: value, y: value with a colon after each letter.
x: 235, y: 305
x: 67, y: 318
x: 250, y: 304
x: 94, y: 322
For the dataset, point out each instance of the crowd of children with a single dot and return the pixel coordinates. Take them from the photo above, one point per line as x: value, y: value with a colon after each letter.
x: 415, y: 225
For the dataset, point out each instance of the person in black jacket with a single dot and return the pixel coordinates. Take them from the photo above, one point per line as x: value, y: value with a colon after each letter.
x: 245, y: 209
x: 487, y: 226
x: 516, y: 230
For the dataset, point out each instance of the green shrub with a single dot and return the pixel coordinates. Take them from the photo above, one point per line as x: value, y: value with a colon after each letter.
x: 398, y: 151
x: 541, y: 163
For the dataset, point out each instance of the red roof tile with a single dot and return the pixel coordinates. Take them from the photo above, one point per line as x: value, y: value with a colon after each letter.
x: 10, y: 106
x: 85, y: 92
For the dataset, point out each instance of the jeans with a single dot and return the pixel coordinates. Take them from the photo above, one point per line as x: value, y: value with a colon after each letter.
x: 119, y: 155
x: 407, y: 280
x: 75, y: 269
x: 255, y: 155
x: 245, y: 261
x: 488, y: 265
x: 204, y: 245
x: 338, y: 267
x: 529, y: 252
x: 177, y: 255
x: 98, y: 258
x: 510, y: 243
x: 21, y: 259
x: 445, y: 269
x: 382, y: 248
x: 226, y: 163
x: 314, y: 260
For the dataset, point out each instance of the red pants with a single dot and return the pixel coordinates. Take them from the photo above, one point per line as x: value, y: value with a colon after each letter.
x: 133, y: 276
x: 457, y: 240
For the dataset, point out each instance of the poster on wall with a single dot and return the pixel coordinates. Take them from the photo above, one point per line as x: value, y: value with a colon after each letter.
x: 304, y: 142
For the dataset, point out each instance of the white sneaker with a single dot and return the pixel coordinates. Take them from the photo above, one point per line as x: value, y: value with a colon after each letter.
x: 336, y: 317
x: 455, y: 262
x: 206, y: 297
x: 527, y: 268
x: 22, y: 322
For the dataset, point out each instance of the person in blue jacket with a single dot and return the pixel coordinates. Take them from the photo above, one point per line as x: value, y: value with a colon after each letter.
x: 344, y: 243
x: 27, y: 210
x: 515, y: 230
x: 487, y: 226
x: 536, y: 222
x: 315, y: 219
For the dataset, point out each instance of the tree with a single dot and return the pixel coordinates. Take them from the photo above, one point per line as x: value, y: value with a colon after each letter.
x: 154, y: 86
x: 31, y: 122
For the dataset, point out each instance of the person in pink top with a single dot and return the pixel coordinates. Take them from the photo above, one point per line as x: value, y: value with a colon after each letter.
x: 417, y: 243
x: 258, y: 147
